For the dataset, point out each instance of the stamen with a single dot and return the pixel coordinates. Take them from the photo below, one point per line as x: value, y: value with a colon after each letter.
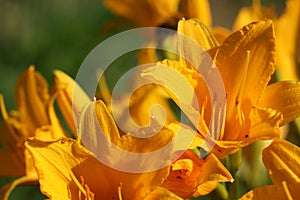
x: 120, y: 192
x: 242, y: 89
x: 213, y: 131
x: 203, y: 108
x: 79, y: 185
x: 220, y: 122
x: 243, y: 82
x: 90, y: 194
x: 287, y: 191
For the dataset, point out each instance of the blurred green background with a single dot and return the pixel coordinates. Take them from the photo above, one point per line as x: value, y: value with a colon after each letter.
x: 59, y: 34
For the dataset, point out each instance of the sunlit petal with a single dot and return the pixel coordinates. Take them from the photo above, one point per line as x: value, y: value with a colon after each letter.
x: 32, y: 98
x: 284, y: 97
x: 65, y: 86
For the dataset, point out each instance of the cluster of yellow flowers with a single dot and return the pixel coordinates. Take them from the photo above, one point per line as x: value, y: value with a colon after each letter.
x: 38, y: 149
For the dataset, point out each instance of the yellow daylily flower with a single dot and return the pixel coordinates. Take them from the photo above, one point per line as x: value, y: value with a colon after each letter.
x: 74, y: 173
x: 35, y: 116
x: 287, y: 27
x: 246, y: 62
x: 282, y: 159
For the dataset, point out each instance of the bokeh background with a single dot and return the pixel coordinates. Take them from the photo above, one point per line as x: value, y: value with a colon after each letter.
x: 59, y: 34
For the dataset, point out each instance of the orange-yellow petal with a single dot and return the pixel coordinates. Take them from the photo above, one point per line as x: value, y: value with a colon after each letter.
x: 181, y: 85
x: 274, y: 192
x: 264, y: 126
x: 288, y: 24
x: 66, y: 170
x: 282, y: 159
x: 163, y: 194
x: 255, y: 67
x: 32, y: 99
x: 284, y: 97
x: 197, y: 31
x: 54, y: 162
x: 189, y: 173
x: 65, y: 87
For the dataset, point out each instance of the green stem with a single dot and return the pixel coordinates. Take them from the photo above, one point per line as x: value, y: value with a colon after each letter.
x: 233, y: 164
x: 222, y: 192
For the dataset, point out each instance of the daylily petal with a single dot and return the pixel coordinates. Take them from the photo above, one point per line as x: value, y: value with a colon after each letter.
x: 111, y: 132
x: 104, y: 92
x: 258, y: 38
x: 142, y: 104
x: 57, y: 129
x: 264, y: 126
x: 264, y: 123
x: 66, y: 86
x: 274, y: 192
x: 32, y: 99
x: 282, y: 159
x: 11, y: 155
x: 146, y: 12
x: 162, y: 194
x: 7, y: 189
x: 284, y: 97
x: 197, y: 31
x: 197, y: 9
x: 189, y: 173
x: 245, y: 61
x: 185, y: 137
x: 183, y: 94
x: 70, y: 161
x: 288, y: 24
x: 54, y: 162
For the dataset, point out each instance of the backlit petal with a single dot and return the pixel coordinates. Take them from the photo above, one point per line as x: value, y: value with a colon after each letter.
x: 65, y: 87
x: 258, y: 39
x: 189, y: 173
x: 62, y: 164
x: 274, y: 192
x: 181, y: 84
x: 264, y: 126
x: 282, y: 159
x: 288, y: 24
x: 32, y: 98
x: 284, y: 97
x: 197, y: 31
x: 163, y: 194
